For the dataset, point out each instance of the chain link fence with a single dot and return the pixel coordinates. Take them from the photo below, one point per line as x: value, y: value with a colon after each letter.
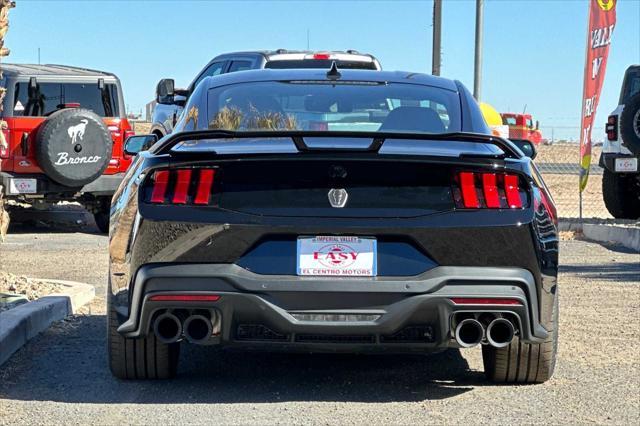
x: 558, y: 160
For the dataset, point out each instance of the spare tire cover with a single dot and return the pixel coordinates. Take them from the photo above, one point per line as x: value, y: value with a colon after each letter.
x: 73, y: 146
x: 630, y: 125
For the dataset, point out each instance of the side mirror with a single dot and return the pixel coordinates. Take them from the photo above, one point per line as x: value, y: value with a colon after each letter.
x: 527, y: 147
x: 165, y: 90
x: 537, y: 125
x: 137, y: 143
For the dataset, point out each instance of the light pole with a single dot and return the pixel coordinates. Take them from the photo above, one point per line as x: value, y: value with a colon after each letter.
x: 477, y: 64
x: 437, y: 37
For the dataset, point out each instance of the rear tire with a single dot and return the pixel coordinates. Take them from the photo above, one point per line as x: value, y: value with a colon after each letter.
x: 102, y: 221
x: 523, y: 362
x: 144, y: 358
x: 621, y: 194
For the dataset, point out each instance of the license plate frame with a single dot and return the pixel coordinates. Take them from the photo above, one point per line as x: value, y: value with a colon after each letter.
x: 23, y: 186
x: 337, y: 256
x: 626, y: 165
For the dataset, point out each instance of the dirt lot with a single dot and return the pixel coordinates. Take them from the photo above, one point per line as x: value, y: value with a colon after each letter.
x: 62, y: 376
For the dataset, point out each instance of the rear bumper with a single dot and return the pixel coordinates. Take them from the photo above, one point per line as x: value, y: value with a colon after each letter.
x: 395, y: 304
x: 105, y: 185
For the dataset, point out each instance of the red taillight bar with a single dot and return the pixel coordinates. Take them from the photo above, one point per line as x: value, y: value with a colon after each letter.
x: 321, y: 55
x: 205, y: 183
x: 469, y: 193
x: 484, y: 301
x: 184, y: 298
x: 181, y: 191
x: 512, y: 191
x: 490, y: 190
x: 160, y: 182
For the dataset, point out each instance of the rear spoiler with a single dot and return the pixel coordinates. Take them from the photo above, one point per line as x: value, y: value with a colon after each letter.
x: 378, y: 139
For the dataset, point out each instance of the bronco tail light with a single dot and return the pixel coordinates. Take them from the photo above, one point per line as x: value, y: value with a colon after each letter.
x: 479, y: 190
x: 484, y: 301
x: 612, y: 128
x: 4, y: 147
x: 181, y: 186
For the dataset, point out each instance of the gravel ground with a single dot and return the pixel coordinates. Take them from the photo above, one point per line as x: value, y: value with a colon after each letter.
x: 62, y: 377
x: 25, y: 286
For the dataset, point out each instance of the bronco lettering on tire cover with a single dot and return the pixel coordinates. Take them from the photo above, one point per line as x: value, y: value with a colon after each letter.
x: 630, y: 124
x: 73, y: 147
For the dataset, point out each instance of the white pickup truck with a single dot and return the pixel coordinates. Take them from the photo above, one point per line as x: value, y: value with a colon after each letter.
x: 621, y: 151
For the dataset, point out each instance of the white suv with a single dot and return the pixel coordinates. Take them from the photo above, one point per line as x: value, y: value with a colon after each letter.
x: 621, y: 151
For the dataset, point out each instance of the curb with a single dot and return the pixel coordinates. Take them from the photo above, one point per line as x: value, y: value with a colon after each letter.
x: 627, y: 236
x: 24, y: 322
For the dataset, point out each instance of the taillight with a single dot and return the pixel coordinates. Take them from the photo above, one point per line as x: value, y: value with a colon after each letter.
x: 321, y: 55
x: 612, y: 128
x: 182, y: 186
x: 478, y: 190
x: 115, y: 131
x: 4, y: 147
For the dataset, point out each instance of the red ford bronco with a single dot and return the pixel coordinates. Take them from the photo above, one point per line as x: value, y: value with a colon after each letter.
x: 64, y: 138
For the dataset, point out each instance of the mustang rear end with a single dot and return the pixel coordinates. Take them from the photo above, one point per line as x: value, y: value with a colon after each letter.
x: 286, y: 237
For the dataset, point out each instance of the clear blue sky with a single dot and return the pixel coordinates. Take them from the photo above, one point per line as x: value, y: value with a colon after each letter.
x: 533, y: 50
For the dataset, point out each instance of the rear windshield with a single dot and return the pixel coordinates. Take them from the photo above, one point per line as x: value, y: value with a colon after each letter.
x: 47, y: 98
x: 334, y: 106
x: 319, y: 63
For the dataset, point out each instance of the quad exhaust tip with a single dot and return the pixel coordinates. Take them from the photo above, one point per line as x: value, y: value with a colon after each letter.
x: 198, y: 329
x: 167, y: 328
x: 500, y: 332
x: 469, y: 333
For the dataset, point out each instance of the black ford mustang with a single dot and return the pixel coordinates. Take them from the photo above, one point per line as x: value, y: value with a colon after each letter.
x: 355, y: 211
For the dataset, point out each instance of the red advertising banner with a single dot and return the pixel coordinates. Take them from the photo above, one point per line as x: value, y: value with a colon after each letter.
x: 602, y: 20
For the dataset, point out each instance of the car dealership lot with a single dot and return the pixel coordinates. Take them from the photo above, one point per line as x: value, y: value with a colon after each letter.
x: 62, y: 375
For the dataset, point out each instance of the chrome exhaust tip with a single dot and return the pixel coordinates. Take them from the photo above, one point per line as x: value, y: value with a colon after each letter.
x: 198, y: 329
x: 500, y: 332
x: 167, y: 328
x: 469, y: 333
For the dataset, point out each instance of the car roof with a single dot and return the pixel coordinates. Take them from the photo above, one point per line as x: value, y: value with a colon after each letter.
x: 320, y: 74
x: 280, y: 52
x: 51, y: 70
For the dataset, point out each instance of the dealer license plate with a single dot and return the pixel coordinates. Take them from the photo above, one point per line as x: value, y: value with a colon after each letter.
x: 626, y: 165
x: 22, y: 186
x: 337, y: 256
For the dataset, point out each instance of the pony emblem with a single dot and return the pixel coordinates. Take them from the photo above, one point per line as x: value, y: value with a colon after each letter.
x: 77, y: 132
x: 338, y: 198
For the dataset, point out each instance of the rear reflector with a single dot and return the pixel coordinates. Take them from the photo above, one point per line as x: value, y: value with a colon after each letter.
x: 181, y: 186
x: 477, y: 190
x: 484, y: 301
x: 184, y: 298
x: 160, y: 182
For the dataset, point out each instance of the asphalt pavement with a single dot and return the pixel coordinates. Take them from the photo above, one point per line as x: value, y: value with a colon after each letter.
x: 62, y: 375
